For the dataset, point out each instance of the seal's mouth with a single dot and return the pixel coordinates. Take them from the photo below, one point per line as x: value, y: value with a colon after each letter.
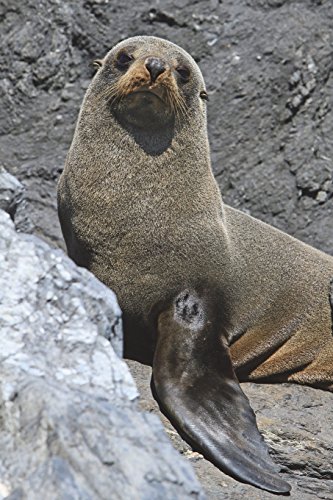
x: 137, y: 91
x: 144, y: 96
x: 152, y: 90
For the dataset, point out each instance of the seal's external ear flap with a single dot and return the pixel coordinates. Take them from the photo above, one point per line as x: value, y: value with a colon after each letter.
x: 196, y: 387
x: 204, y: 95
x: 98, y: 63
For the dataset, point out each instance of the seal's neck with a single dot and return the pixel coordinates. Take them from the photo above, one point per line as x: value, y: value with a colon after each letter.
x: 181, y: 146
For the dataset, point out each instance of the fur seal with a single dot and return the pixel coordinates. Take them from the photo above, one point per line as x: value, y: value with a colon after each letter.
x: 209, y: 294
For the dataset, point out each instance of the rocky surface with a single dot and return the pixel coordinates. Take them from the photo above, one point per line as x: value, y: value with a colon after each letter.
x: 11, y: 193
x: 69, y: 422
x: 268, y: 67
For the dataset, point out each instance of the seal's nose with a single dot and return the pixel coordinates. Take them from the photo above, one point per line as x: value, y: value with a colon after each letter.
x: 155, y: 67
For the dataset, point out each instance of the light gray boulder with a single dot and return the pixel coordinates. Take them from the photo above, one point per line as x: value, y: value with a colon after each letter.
x: 69, y: 423
x: 11, y: 192
x: 13, y: 201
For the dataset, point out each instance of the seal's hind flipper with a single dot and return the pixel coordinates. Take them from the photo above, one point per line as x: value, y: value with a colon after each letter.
x: 195, y: 385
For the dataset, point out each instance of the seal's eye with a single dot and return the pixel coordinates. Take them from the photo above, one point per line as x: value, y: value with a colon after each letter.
x: 123, y: 60
x: 184, y: 73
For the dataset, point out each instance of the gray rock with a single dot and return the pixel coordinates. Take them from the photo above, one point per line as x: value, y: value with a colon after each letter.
x: 70, y: 427
x: 267, y: 65
x: 11, y: 192
x: 12, y: 201
x: 268, y: 68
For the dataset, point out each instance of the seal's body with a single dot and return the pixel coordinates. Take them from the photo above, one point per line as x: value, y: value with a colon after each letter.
x: 199, y: 283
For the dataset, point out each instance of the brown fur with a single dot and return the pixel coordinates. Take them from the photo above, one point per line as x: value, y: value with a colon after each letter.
x: 149, y: 225
x: 203, y: 287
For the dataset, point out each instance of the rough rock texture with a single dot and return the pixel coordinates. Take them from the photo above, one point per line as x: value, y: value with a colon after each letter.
x: 11, y: 192
x: 268, y: 67
x: 69, y: 424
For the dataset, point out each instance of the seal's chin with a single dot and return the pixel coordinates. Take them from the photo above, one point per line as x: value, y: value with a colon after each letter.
x: 145, y: 108
x: 145, y: 99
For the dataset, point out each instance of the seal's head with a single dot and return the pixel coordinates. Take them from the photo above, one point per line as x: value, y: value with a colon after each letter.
x: 149, y: 83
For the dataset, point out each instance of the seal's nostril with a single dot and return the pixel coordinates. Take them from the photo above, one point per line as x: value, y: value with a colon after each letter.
x: 155, y: 67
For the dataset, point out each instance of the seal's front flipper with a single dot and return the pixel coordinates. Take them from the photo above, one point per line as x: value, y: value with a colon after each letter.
x: 195, y: 385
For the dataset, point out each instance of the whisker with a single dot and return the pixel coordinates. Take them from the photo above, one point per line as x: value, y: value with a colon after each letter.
x: 117, y: 91
x: 179, y: 106
x: 110, y: 92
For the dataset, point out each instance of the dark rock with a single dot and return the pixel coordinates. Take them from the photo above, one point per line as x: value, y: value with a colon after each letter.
x: 268, y: 68
x: 70, y: 427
